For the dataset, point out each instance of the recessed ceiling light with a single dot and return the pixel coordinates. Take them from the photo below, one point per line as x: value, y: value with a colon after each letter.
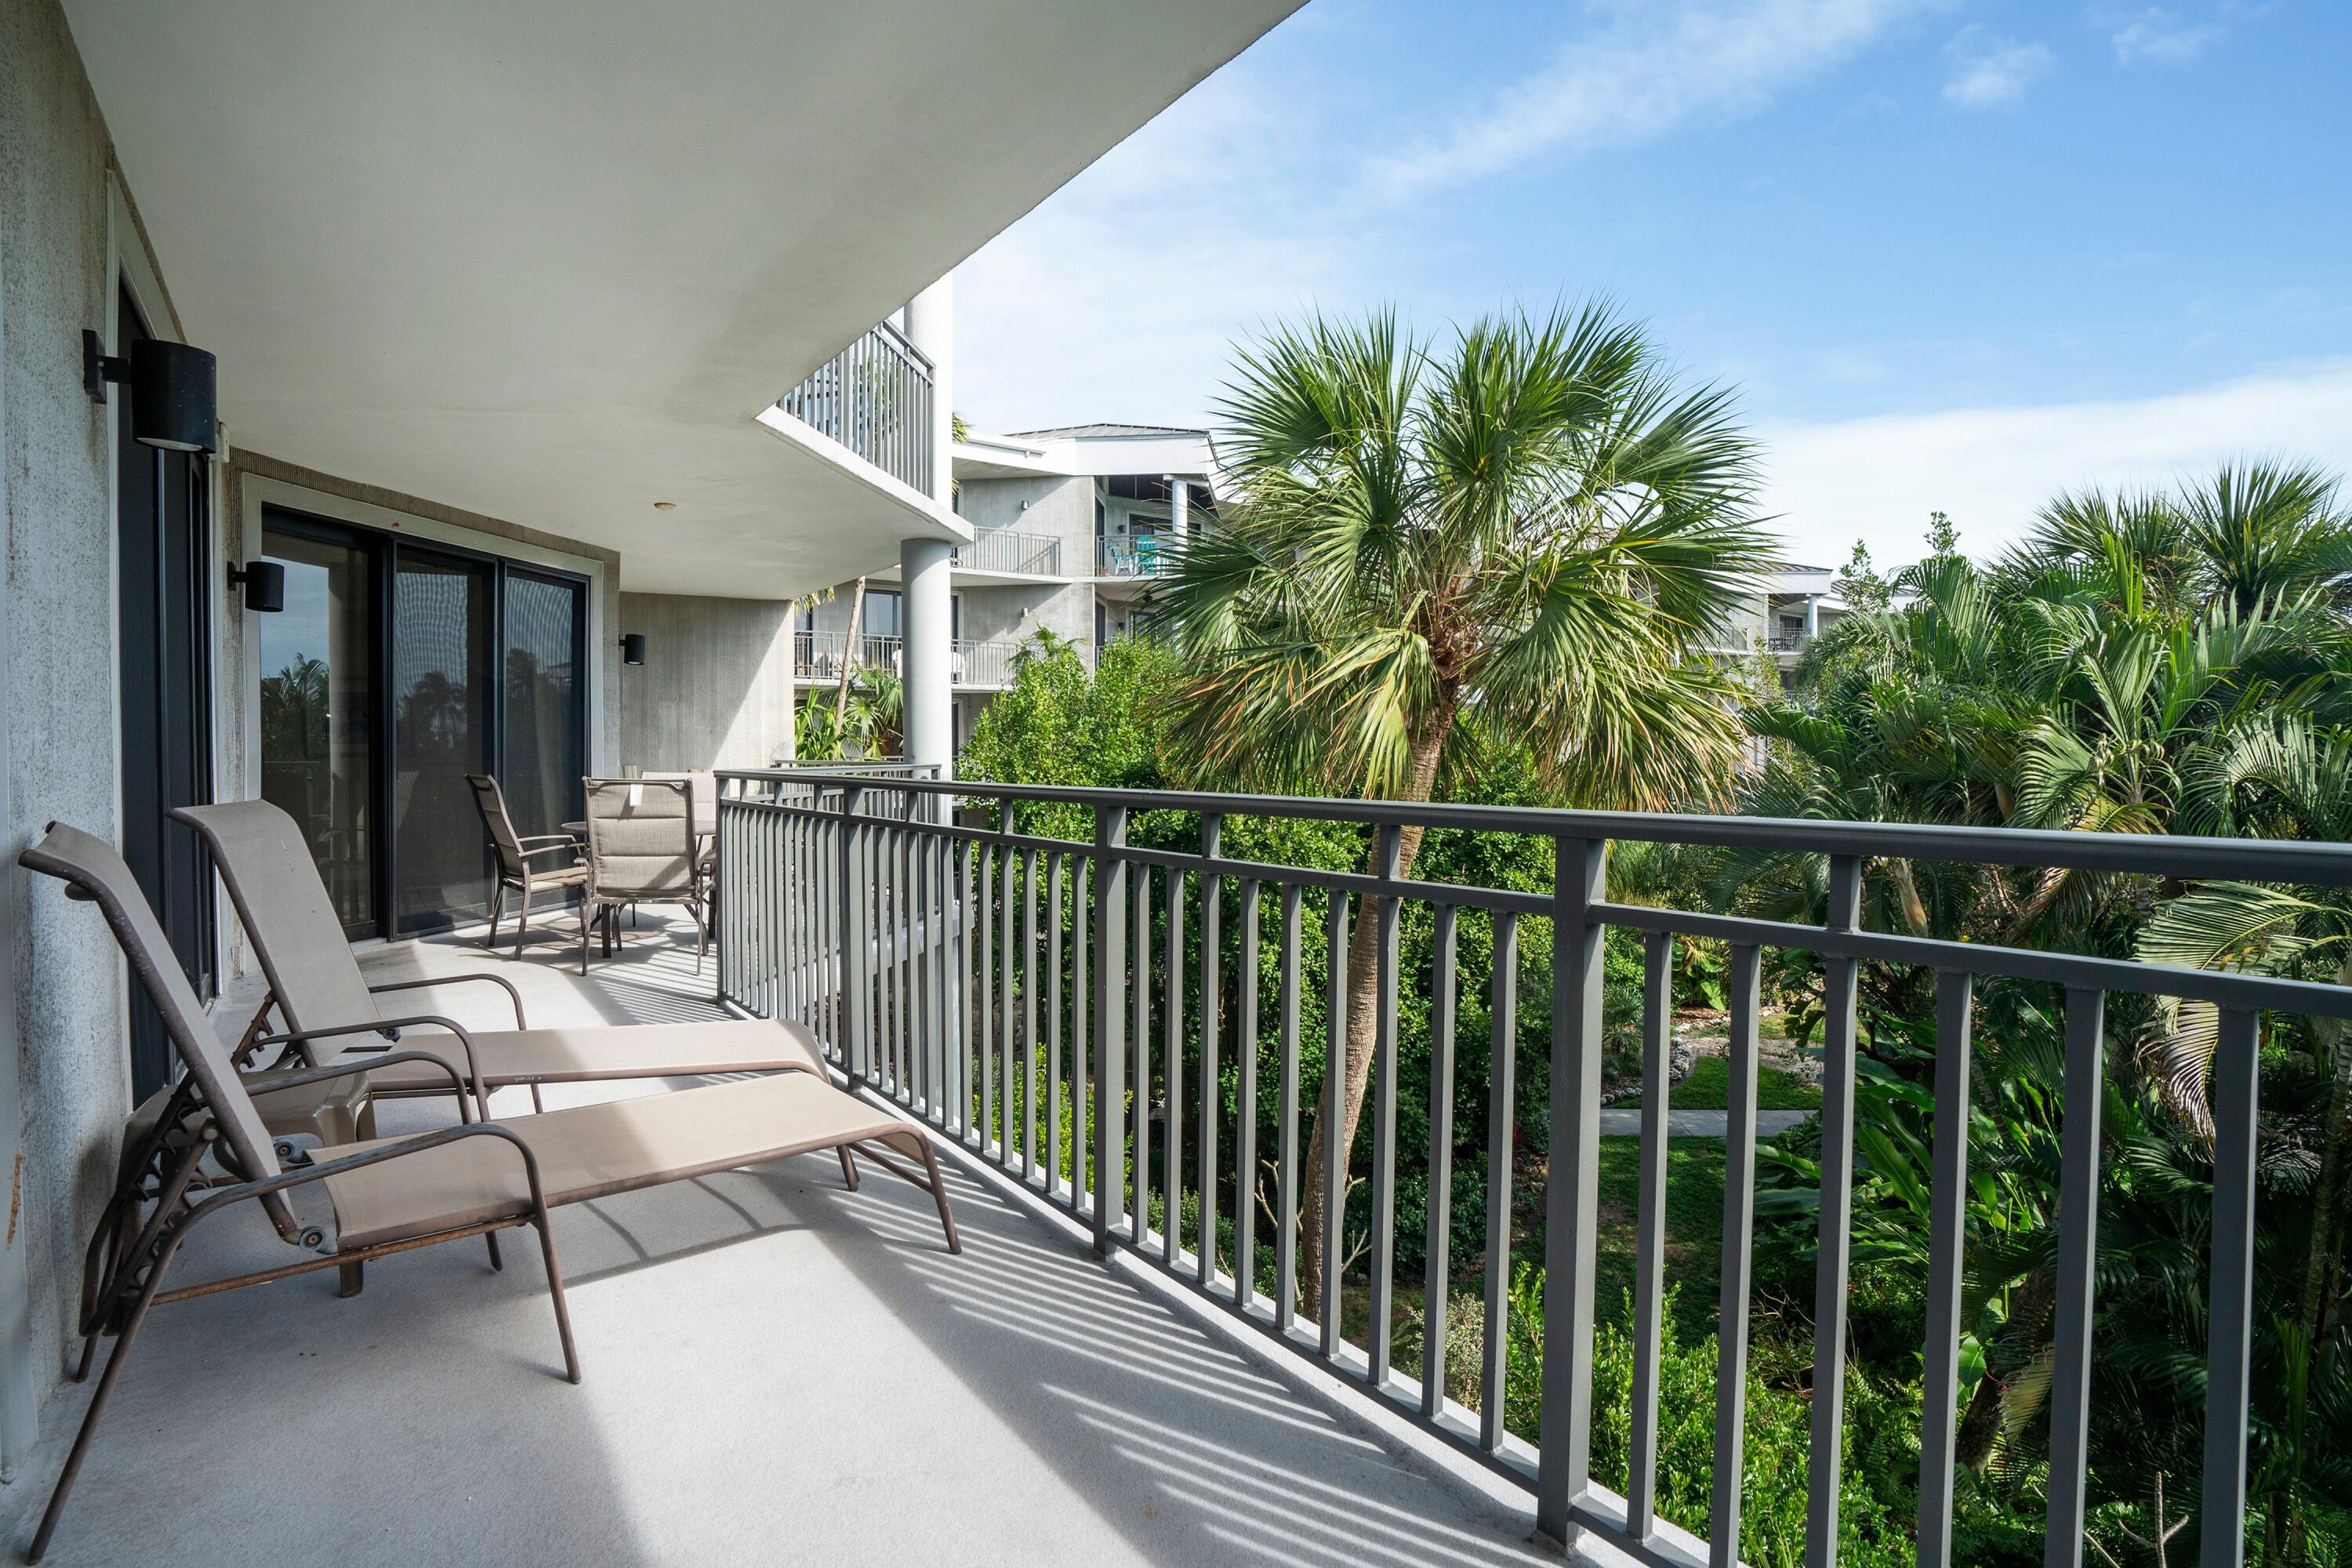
x: 665, y: 505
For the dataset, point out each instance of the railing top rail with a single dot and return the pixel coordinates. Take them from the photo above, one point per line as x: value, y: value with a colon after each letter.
x: 903, y: 344
x: 2159, y: 855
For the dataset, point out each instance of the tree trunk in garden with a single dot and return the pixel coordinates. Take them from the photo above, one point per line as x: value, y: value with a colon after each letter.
x: 848, y: 662
x: 1363, y: 1000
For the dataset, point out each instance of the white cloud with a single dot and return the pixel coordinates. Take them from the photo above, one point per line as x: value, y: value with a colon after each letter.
x: 1987, y: 72
x: 1637, y: 79
x: 2157, y: 37
x: 1993, y: 468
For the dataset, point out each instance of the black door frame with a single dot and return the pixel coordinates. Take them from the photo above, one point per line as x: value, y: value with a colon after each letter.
x: 384, y: 549
x: 164, y: 710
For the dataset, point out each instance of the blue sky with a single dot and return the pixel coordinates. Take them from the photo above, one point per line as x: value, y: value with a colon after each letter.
x: 1952, y: 254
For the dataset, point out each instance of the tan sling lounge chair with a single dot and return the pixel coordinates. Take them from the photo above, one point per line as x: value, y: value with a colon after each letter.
x: 394, y: 1195
x: 325, y: 1001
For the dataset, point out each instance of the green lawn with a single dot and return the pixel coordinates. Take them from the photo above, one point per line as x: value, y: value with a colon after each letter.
x: 1708, y: 1087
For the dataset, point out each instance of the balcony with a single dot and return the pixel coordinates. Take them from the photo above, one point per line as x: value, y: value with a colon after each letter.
x: 1141, y: 558
x: 1012, y: 554
x: 977, y: 663
x: 998, y: 983
x: 776, y: 1371
x: 874, y: 399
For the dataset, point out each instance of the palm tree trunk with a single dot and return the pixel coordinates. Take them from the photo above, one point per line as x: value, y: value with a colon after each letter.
x: 849, y: 658
x: 1363, y: 1000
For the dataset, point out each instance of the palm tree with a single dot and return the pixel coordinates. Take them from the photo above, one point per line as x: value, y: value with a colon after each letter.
x: 1533, y: 530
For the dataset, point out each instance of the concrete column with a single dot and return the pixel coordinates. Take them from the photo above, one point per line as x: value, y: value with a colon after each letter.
x: 1812, y: 616
x: 930, y: 327
x: 1180, y: 506
x: 928, y: 614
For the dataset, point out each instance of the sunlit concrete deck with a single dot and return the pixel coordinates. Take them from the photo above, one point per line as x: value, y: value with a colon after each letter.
x: 776, y: 1371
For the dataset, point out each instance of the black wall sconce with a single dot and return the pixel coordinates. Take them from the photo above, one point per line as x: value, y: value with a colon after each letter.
x: 175, y: 390
x: 264, y: 583
x: 633, y: 649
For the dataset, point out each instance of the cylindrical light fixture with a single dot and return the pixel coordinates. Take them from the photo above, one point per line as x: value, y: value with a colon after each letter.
x: 175, y: 391
x: 633, y: 649
x: 265, y: 585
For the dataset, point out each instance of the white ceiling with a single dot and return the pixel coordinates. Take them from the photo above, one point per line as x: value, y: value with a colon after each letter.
x: 551, y: 260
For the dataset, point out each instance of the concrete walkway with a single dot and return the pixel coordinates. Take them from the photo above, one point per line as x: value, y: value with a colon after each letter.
x: 776, y: 1372
x: 1699, y: 1124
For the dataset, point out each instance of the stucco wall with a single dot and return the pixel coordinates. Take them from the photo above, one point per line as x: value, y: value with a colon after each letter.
x: 716, y: 689
x: 71, y: 1069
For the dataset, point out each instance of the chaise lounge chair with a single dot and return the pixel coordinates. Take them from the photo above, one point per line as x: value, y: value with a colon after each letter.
x: 326, y: 1002
x: 395, y: 1195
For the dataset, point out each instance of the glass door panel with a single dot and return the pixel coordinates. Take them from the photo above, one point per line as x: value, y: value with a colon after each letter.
x: 441, y: 727
x: 319, y: 713
x: 545, y: 751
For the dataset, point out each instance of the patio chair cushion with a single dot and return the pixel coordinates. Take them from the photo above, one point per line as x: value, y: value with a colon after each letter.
x: 600, y: 1051
x: 594, y: 1151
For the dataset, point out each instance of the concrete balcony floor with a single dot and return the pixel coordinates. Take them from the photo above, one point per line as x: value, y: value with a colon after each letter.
x: 776, y: 1371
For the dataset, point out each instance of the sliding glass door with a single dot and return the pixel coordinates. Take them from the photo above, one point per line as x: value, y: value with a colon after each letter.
x: 397, y: 669
x: 318, y: 712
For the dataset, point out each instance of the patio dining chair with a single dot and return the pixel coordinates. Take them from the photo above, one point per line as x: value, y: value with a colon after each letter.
x: 395, y: 1195
x: 705, y: 783
x: 528, y: 865
x: 330, y: 1011
x: 642, y: 849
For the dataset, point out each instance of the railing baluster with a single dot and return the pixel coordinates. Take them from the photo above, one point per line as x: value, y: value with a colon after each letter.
x: 1081, y: 1062
x: 1380, y: 1257
x: 1245, y: 1104
x: 1287, y: 981
x: 1054, y: 1024
x: 2229, y: 1321
x: 1008, y: 961
x: 1029, y: 1019
x: 1141, y: 1159
x: 2079, y: 1135
x: 1947, y: 1218
x: 966, y: 999
x: 1836, y: 1221
x: 1171, y: 1078
x: 1212, y: 1096
x: 1436, y: 1289
x: 1501, y: 1128
x: 1333, y: 1116
x: 1738, y: 1257
x: 1109, y: 1015
x: 1650, y: 1231
x: 986, y: 1000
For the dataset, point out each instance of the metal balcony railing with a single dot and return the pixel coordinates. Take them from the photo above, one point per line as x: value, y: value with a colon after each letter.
x: 1033, y: 554
x: 874, y: 399
x: 1003, y: 988
x: 817, y: 655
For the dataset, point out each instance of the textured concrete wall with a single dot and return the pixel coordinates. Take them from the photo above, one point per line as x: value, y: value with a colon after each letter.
x: 72, y: 1069
x: 716, y: 689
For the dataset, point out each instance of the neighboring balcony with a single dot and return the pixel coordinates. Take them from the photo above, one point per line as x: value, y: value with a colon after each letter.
x: 1007, y: 553
x: 979, y: 664
x: 1144, y: 557
x: 874, y: 399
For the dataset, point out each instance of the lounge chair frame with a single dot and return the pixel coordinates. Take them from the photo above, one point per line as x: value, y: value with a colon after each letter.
x: 133, y: 1246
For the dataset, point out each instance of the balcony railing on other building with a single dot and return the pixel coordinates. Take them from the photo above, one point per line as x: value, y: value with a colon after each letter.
x: 818, y: 655
x: 874, y: 399
x: 1032, y: 554
x: 1038, y: 1000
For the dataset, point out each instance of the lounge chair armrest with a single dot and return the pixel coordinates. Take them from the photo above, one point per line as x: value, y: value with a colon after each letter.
x: 513, y: 994
x: 473, y: 1067
x: 267, y: 1083
x: 320, y: 1170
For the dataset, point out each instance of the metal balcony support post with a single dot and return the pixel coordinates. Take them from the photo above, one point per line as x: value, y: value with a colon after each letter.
x: 1571, y: 1206
x: 851, y: 883
x: 1110, y: 1117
